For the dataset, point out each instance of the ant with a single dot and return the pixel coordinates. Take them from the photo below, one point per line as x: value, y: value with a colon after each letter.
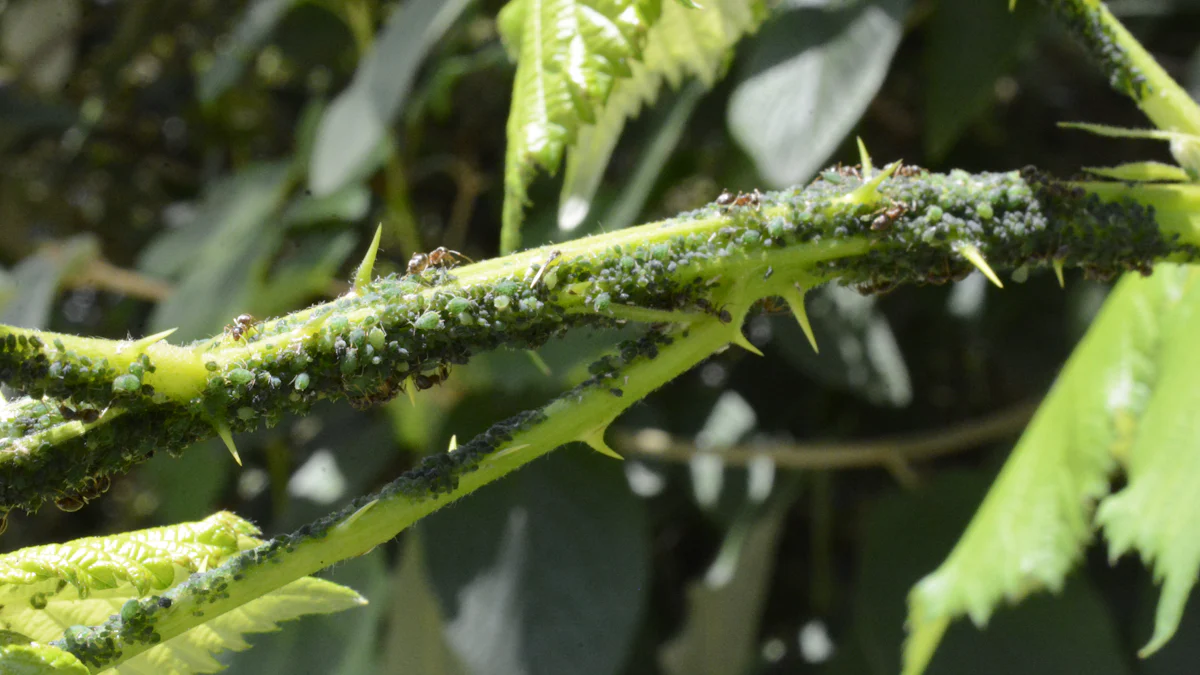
x: 727, y: 198
x: 85, y: 415
x: 241, y: 326
x: 888, y: 216
x: 423, y: 381
x: 438, y: 257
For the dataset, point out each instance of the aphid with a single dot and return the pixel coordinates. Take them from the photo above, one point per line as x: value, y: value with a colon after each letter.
x: 241, y: 326
x: 438, y: 257
x: 885, y: 219
x: 554, y: 255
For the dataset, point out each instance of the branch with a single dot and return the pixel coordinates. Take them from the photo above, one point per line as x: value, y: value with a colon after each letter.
x: 93, y: 401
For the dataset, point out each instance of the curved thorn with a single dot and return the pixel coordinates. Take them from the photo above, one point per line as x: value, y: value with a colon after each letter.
x: 868, y: 192
x: 409, y: 387
x: 539, y: 363
x: 223, y: 431
x: 367, y: 267
x: 795, y: 300
x: 1058, y: 271
x: 740, y: 340
x: 595, y: 440
x: 864, y: 159
x: 356, y: 515
x: 973, y: 256
x: 453, y: 443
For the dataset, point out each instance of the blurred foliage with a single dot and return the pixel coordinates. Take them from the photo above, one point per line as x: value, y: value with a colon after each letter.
x: 177, y: 163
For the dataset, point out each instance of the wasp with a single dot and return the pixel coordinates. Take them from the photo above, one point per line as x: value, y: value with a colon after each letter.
x: 241, y: 326
x: 438, y: 257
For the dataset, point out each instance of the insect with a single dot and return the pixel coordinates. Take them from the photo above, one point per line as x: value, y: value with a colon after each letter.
x: 554, y: 255
x: 241, y: 326
x: 85, y: 415
x: 727, y: 199
x: 438, y: 257
x: 423, y: 381
x: 888, y: 216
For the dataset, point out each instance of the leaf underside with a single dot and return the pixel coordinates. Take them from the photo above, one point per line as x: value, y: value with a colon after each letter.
x: 1124, y: 400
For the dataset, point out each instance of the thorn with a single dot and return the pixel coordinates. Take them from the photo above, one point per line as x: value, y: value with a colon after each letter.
x: 740, y: 340
x: 539, y: 362
x: 794, y: 297
x: 356, y: 515
x: 223, y: 432
x: 1012, y: 5
x: 868, y: 192
x: 367, y: 267
x: 410, y: 389
x: 1058, y: 271
x: 973, y: 256
x: 864, y: 159
x: 142, y: 344
x: 453, y: 443
x: 595, y: 440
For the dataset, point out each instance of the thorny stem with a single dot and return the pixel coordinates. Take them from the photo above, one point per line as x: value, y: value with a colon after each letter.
x: 92, y: 400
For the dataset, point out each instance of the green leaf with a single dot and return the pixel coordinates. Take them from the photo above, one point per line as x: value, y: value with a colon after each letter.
x: 32, y: 658
x: 1141, y: 172
x: 416, y: 642
x: 720, y: 634
x: 252, y: 30
x: 545, y: 572
x: 570, y: 54
x: 1157, y: 510
x: 1035, y: 521
x: 810, y: 75
x: 220, y: 251
x: 46, y: 589
x: 902, y: 536
x: 683, y: 43
x: 357, y: 123
x: 971, y: 44
x: 36, y: 280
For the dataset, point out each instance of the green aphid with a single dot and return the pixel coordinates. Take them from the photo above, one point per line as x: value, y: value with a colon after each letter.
x: 301, y: 381
x: 377, y: 338
x: 127, y: 384
x: 458, y: 305
x: 240, y: 376
x: 428, y: 321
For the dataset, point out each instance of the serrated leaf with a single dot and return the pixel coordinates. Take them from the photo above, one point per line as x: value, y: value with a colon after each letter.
x: 570, y: 53
x: 1157, y: 511
x: 32, y: 658
x: 1036, y: 518
x: 682, y: 43
x: 810, y: 75
x: 46, y: 589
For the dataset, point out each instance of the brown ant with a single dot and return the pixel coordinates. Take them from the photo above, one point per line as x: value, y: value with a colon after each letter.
x: 438, y: 257
x: 888, y: 216
x: 727, y: 199
x: 241, y: 326
x: 422, y: 381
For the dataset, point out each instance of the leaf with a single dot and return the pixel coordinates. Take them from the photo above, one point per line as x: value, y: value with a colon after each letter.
x: 32, y: 658
x: 970, y: 45
x: 720, y: 633
x: 903, y: 534
x: 105, y: 572
x: 810, y: 75
x: 38, y: 277
x: 858, y: 349
x: 356, y: 124
x: 682, y: 43
x: 1141, y: 171
x: 32, y: 43
x: 220, y: 251
x: 570, y: 54
x: 416, y: 642
x: 1035, y: 520
x: 545, y: 572
x: 253, y: 28
x: 1155, y: 510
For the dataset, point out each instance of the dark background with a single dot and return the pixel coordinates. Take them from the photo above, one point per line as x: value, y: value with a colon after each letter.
x: 155, y: 172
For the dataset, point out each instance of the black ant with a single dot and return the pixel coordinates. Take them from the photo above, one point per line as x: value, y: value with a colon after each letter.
x: 438, y: 257
x: 423, y: 381
x: 241, y: 326
x: 85, y: 415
